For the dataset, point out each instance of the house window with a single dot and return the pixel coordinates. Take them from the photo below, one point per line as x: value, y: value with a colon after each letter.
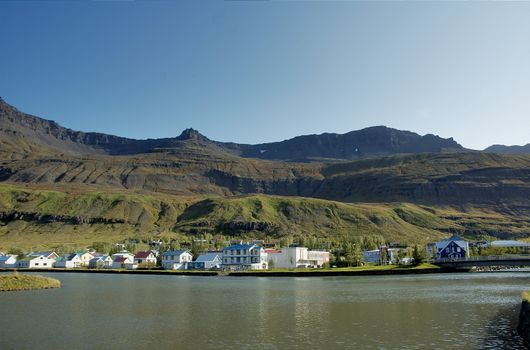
x: 36, y: 264
x: 45, y: 264
x: 239, y: 252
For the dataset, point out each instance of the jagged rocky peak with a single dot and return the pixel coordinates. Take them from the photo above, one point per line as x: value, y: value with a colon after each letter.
x: 192, y: 134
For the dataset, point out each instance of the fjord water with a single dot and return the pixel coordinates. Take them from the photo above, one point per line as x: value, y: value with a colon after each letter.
x: 107, y: 311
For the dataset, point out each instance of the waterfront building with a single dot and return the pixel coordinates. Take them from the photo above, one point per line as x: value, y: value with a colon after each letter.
x: 124, y: 253
x: 452, y: 248
x: 145, y: 258
x: 49, y: 254
x: 7, y: 261
x: 295, y: 257
x: 123, y: 262
x: 176, y: 259
x: 69, y: 261
x: 245, y: 257
x: 101, y: 261
x: 35, y: 262
x: 207, y: 261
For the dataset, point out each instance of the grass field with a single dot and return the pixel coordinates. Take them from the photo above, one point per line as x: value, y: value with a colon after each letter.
x: 15, y: 282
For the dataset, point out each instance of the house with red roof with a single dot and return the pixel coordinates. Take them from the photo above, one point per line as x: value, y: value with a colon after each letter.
x: 145, y: 258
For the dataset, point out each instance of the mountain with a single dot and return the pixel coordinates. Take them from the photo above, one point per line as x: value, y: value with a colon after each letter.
x: 27, y: 133
x: 369, y: 142
x: 509, y: 149
x: 70, y: 186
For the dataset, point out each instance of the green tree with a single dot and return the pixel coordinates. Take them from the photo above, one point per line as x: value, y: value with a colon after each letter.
x: 418, y: 255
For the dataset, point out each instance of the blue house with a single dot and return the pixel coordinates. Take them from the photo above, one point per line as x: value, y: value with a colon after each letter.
x: 452, y: 248
x: 206, y: 261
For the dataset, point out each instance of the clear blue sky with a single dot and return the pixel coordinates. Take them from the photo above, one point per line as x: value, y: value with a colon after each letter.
x: 255, y: 72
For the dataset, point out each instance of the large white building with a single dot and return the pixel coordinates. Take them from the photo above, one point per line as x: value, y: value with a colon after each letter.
x: 294, y: 257
x: 245, y: 257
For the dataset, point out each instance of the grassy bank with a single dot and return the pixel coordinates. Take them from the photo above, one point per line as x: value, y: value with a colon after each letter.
x: 26, y: 282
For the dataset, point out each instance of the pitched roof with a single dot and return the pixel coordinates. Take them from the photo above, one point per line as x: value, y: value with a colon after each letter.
x: 240, y: 246
x: 175, y: 252
x: 120, y: 259
x: 6, y: 257
x: 208, y: 257
x: 143, y: 255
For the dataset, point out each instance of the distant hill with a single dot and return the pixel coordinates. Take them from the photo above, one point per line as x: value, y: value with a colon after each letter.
x: 369, y: 142
x: 509, y: 149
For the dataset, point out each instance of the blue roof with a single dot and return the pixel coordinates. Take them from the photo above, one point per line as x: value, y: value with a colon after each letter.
x: 175, y: 252
x: 240, y: 246
x: 208, y: 257
x: 5, y: 257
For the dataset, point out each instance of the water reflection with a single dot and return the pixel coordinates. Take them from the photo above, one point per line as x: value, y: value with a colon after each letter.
x: 96, y: 311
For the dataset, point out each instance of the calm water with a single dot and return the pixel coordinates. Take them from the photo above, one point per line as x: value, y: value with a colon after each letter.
x: 97, y: 311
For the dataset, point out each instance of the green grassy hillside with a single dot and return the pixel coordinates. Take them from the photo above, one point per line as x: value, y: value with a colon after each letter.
x: 35, y: 217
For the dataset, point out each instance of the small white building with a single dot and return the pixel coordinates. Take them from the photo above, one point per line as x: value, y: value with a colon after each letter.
x: 37, y: 262
x: 245, y: 257
x: 68, y: 261
x: 125, y: 254
x: 49, y: 254
x: 122, y: 262
x: 8, y: 261
x: 145, y: 258
x: 176, y: 259
x: 99, y: 262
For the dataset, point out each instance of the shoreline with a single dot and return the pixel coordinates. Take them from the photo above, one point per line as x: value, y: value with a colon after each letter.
x: 258, y: 273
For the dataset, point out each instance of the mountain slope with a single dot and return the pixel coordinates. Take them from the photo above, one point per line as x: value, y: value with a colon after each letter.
x: 32, y: 217
x: 509, y: 149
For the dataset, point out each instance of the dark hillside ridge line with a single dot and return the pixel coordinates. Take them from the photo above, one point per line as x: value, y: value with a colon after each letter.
x: 18, y: 128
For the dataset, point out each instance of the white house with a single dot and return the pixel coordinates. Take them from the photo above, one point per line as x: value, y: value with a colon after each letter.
x: 125, y: 254
x: 245, y: 257
x: 122, y: 262
x: 452, y: 248
x: 101, y: 261
x: 145, y: 258
x: 7, y: 261
x: 206, y: 261
x: 294, y: 257
x: 176, y: 259
x: 69, y: 261
x: 37, y: 262
x: 49, y: 254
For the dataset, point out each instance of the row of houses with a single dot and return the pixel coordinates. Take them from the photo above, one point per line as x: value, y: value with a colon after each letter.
x: 234, y: 257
